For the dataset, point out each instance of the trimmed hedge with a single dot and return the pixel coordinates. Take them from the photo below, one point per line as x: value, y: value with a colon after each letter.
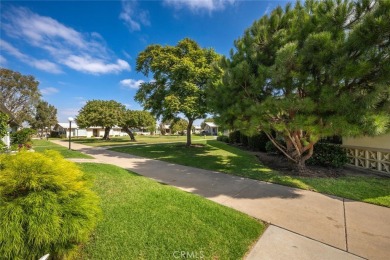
x: 46, y: 206
x: 223, y: 138
x: 329, y: 155
x: 234, y: 137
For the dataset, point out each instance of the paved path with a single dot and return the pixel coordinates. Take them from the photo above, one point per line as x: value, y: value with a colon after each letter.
x: 304, y: 224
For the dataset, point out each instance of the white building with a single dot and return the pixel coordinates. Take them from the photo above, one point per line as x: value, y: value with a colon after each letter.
x: 211, y: 128
x: 93, y: 131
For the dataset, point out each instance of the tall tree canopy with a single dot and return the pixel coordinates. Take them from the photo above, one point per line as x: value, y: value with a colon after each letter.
x: 180, y: 75
x: 19, y: 94
x: 104, y: 113
x: 137, y: 119
x: 307, y: 72
x: 45, y: 116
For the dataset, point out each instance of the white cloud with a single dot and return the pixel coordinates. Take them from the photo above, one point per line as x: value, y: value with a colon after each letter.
x: 44, y: 65
x: 63, y: 43
x: 95, y: 66
x: 49, y: 91
x: 131, y: 83
x: 133, y: 16
x: 197, y: 5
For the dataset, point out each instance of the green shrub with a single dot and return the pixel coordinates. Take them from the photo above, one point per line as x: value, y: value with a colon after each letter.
x: 258, y: 142
x: 22, y: 136
x: 326, y: 154
x: 243, y: 139
x: 234, y: 137
x: 270, y: 148
x: 223, y: 138
x: 46, y: 206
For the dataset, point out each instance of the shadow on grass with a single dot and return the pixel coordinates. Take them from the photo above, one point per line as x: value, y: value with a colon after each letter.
x: 196, y: 180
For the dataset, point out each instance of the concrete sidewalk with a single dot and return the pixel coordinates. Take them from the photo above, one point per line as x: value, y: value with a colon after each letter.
x: 304, y: 224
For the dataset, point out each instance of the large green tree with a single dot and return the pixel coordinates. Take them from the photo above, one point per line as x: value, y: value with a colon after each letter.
x: 104, y: 113
x: 307, y: 72
x: 19, y: 94
x: 45, y: 116
x: 137, y: 119
x: 180, y: 76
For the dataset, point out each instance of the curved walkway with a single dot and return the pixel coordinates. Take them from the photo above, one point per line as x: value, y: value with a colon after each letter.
x: 303, y: 224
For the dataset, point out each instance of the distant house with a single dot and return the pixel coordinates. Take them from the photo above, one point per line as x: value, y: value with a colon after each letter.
x: 93, y: 131
x: 211, y: 128
x: 369, y: 152
x: 165, y: 128
x: 196, y: 129
x: 12, y: 126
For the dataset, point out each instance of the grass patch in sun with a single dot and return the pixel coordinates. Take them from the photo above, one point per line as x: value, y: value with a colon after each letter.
x: 40, y: 145
x: 144, y: 219
x: 141, y: 139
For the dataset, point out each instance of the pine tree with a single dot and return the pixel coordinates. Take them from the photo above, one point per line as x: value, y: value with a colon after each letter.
x: 307, y: 72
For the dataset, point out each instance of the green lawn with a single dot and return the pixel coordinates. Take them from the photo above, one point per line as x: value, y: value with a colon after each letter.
x: 40, y: 145
x: 141, y: 139
x: 221, y: 157
x: 143, y: 219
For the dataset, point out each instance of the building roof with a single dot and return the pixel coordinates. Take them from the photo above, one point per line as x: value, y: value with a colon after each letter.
x: 66, y: 125
x: 211, y: 124
x: 74, y: 126
x: 197, y: 127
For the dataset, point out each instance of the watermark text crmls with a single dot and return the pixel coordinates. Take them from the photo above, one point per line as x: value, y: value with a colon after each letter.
x: 188, y: 254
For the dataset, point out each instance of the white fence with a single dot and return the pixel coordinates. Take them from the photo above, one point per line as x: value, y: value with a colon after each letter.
x: 369, y: 158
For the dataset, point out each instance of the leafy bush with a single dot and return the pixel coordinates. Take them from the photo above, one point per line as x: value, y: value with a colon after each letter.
x: 223, y: 138
x: 234, y: 137
x: 243, y: 139
x: 326, y: 154
x: 22, y: 136
x: 258, y: 142
x: 46, y: 206
x: 270, y: 148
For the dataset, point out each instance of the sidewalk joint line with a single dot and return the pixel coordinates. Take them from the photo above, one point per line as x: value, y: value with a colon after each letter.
x: 345, y: 226
x: 271, y: 224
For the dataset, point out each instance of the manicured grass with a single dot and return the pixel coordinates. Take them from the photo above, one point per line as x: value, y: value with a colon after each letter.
x: 41, y: 145
x: 218, y: 156
x: 143, y: 219
x: 140, y: 139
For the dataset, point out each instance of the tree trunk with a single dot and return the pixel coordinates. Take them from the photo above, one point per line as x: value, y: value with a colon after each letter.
x: 130, y: 133
x: 189, y: 128
x: 107, y: 133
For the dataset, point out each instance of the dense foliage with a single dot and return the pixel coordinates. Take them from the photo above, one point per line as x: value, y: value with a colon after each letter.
x: 45, y: 116
x: 179, y: 125
x: 22, y: 137
x: 307, y: 72
x: 3, y: 124
x: 46, y: 206
x: 19, y: 94
x: 180, y: 77
x: 328, y: 155
x: 137, y: 119
x: 103, y: 113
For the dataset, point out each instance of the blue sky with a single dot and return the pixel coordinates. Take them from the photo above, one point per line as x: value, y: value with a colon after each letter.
x: 83, y: 50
